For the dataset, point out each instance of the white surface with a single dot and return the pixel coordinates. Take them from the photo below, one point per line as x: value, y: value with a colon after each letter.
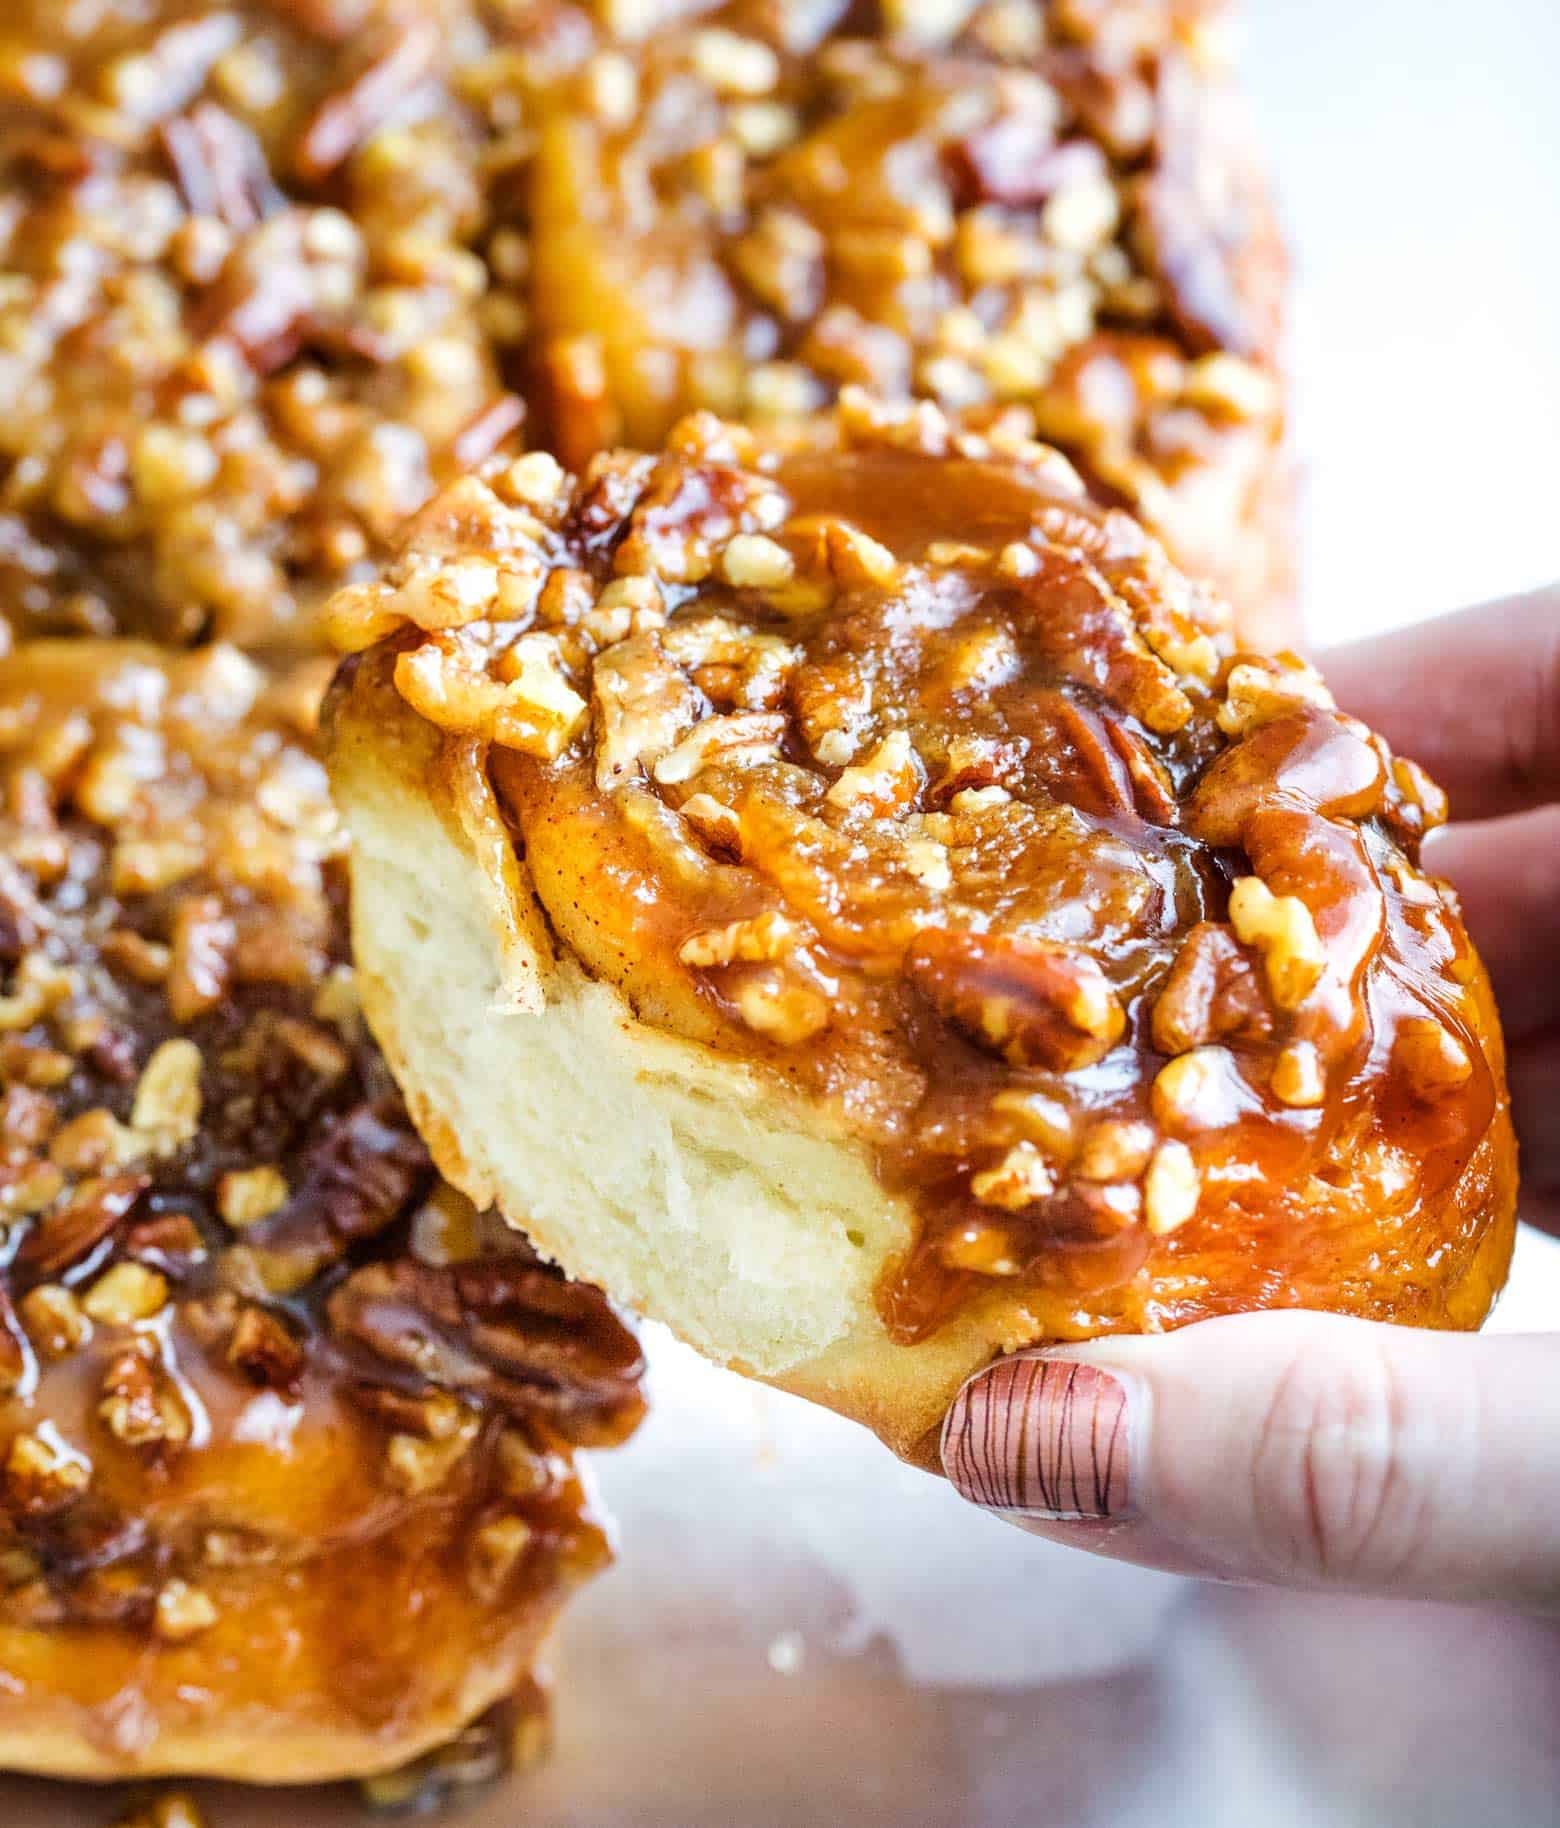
x: 801, y: 1631
x: 1418, y: 155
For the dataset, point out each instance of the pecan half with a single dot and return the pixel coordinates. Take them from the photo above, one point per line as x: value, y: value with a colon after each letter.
x: 359, y: 1180
x: 1212, y: 994
x: 88, y: 1215
x: 507, y: 1329
x: 1032, y: 1001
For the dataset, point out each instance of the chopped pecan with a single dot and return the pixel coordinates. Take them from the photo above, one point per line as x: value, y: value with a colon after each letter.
x: 220, y: 166
x: 29, y: 1186
x: 1434, y: 1061
x: 95, y: 1141
x: 170, y: 1242
x: 201, y: 958
x: 43, y: 1475
x: 1034, y: 1002
x: 974, y: 763
x: 341, y: 123
x: 89, y: 1214
x: 495, y: 1550
x: 1171, y: 1188
x: 1019, y: 1180
x: 27, y: 1118
x: 266, y: 1350
x: 139, y: 1406
x: 1013, y: 161
x: 125, y: 1294
x: 432, y: 1415
x: 1283, y: 929
x: 245, y: 1195
x: 765, y: 936
x: 54, y: 1320
x: 182, y: 1612
x: 419, y: 1464
x: 168, y: 1095
x: 1299, y: 1079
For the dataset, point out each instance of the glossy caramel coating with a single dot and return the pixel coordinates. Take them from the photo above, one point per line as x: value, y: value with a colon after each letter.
x: 287, y: 1432
x: 890, y: 765
x: 1049, y: 204
x: 243, y: 330
x: 276, y: 271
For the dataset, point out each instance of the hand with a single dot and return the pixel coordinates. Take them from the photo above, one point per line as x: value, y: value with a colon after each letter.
x: 1307, y: 1449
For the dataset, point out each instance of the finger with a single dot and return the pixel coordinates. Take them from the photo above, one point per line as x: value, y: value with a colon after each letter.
x: 1534, y: 1074
x: 1475, y: 697
x: 1302, y: 1449
x: 1507, y: 874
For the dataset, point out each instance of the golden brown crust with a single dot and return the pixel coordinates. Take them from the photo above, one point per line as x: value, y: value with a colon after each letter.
x: 931, y: 807
x: 286, y: 1438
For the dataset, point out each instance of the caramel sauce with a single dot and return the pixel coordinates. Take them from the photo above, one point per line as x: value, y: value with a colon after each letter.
x: 243, y: 321
x: 895, y: 766
x: 1040, y: 206
x: 276, y: 272
x: 266, y: 1380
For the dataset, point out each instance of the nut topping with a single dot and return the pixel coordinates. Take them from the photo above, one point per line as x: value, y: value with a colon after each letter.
x: 933, y: 793
x: 1032, y: 1002
x: 167, y: 1095
x: 219, y: 1131
x: 1020, y: 1179
x: 182, y: 1612
x: 1170, y: 1188
x: 124, y: 1295
x: 42, y: 1474
x: 1283, y: 931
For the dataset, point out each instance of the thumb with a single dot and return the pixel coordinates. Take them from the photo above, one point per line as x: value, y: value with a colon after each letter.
x: 1296, y: 1448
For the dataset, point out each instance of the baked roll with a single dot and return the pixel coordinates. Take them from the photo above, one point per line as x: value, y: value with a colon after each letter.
x: 244, y: 329
x: 746, y: 206
x: 288, y: 1480
x: 276, y: 270
x: 849, y: 897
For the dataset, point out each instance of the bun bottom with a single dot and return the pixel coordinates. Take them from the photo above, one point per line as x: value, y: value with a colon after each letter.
x: 695, y: 1188
x: 348, y: 1665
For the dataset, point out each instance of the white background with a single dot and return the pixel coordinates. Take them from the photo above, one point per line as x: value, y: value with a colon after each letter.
x: 1417, y: 148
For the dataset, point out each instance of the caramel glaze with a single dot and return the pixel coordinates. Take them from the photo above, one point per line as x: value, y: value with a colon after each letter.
x: 243, y: 331
x: 1046, y: 204
x: 277, y: 270
x: 897, y: 767
x: 287, y: 1435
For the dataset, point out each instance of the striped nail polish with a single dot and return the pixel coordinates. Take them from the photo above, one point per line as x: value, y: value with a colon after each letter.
x: 1044, y: 1437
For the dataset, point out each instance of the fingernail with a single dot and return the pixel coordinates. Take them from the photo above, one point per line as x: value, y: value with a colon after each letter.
x: 1042, y: 1437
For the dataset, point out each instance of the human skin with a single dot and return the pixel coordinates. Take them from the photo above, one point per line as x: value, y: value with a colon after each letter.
x: 1306, y: 1449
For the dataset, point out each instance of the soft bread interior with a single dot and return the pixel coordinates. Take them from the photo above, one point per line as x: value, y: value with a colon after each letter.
x: 695, y: 1188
